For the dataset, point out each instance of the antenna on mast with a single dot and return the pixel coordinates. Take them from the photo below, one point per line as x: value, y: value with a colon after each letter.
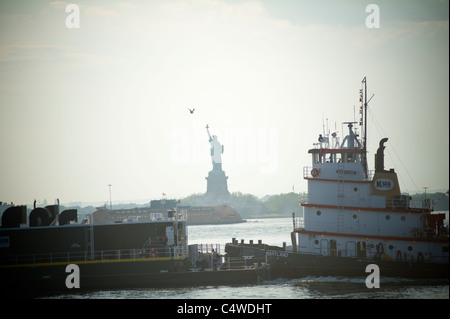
x: 364, y: 124
x: 323, y: 126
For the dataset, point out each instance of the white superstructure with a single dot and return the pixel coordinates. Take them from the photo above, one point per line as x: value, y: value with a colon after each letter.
x: 353, y: 212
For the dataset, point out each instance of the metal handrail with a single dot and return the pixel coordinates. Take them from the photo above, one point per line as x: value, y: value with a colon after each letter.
x: 307, y: 173
x: 223, y: 262
x: 207, y: 248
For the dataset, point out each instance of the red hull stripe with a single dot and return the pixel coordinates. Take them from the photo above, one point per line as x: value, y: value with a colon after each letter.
x: 371, y: 209
x: 411, y: 239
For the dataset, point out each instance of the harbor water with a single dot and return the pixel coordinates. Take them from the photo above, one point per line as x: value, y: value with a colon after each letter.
x: 275, y: 231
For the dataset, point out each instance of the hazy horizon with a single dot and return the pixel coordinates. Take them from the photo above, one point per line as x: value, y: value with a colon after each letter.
x: 107, y: 103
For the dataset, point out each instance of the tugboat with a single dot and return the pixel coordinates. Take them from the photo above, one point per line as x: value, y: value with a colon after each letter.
x: 354, y: 217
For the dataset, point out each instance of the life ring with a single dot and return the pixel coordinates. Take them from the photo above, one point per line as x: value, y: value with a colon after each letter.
x: 315, y: 172
x: 153, y: 253
x: 415, y: 232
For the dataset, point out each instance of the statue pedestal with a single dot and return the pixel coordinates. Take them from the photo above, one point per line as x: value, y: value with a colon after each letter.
x: 217, y: 187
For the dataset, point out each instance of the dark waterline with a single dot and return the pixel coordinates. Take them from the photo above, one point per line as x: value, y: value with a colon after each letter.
x: 275, y: 231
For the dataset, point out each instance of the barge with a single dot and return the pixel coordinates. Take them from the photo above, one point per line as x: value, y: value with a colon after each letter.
x: 54, y: 254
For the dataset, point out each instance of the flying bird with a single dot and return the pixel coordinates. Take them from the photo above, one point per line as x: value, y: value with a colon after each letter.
x: 192, y: 111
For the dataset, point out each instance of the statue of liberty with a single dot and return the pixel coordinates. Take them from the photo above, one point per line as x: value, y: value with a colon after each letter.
x: 216, y: 151
x: 217, y: 186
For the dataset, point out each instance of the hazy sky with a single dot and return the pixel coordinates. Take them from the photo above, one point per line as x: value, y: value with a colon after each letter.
x: 107, y: 103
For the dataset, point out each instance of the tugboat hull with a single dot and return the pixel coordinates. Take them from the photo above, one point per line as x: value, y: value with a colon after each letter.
x: 298, y: 266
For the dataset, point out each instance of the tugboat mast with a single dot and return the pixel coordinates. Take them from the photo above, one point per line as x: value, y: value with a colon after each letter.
x: 364, y: 157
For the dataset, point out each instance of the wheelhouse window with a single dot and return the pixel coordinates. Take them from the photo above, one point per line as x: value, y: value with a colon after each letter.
x: 353, y: 158
x: 321, y: 157
x: 316, y: 158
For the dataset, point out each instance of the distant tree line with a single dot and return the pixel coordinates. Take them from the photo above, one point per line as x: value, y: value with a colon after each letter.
x: 250, y: 206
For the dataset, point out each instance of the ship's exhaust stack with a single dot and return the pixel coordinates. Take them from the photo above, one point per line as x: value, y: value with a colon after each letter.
x: 379, y: 156
x: 385, y: 182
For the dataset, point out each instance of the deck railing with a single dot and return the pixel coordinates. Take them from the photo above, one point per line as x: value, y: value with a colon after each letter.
x: 120, y: 255
x: 138, y: 254
x: 220, y: 262
x: 307, y: 173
